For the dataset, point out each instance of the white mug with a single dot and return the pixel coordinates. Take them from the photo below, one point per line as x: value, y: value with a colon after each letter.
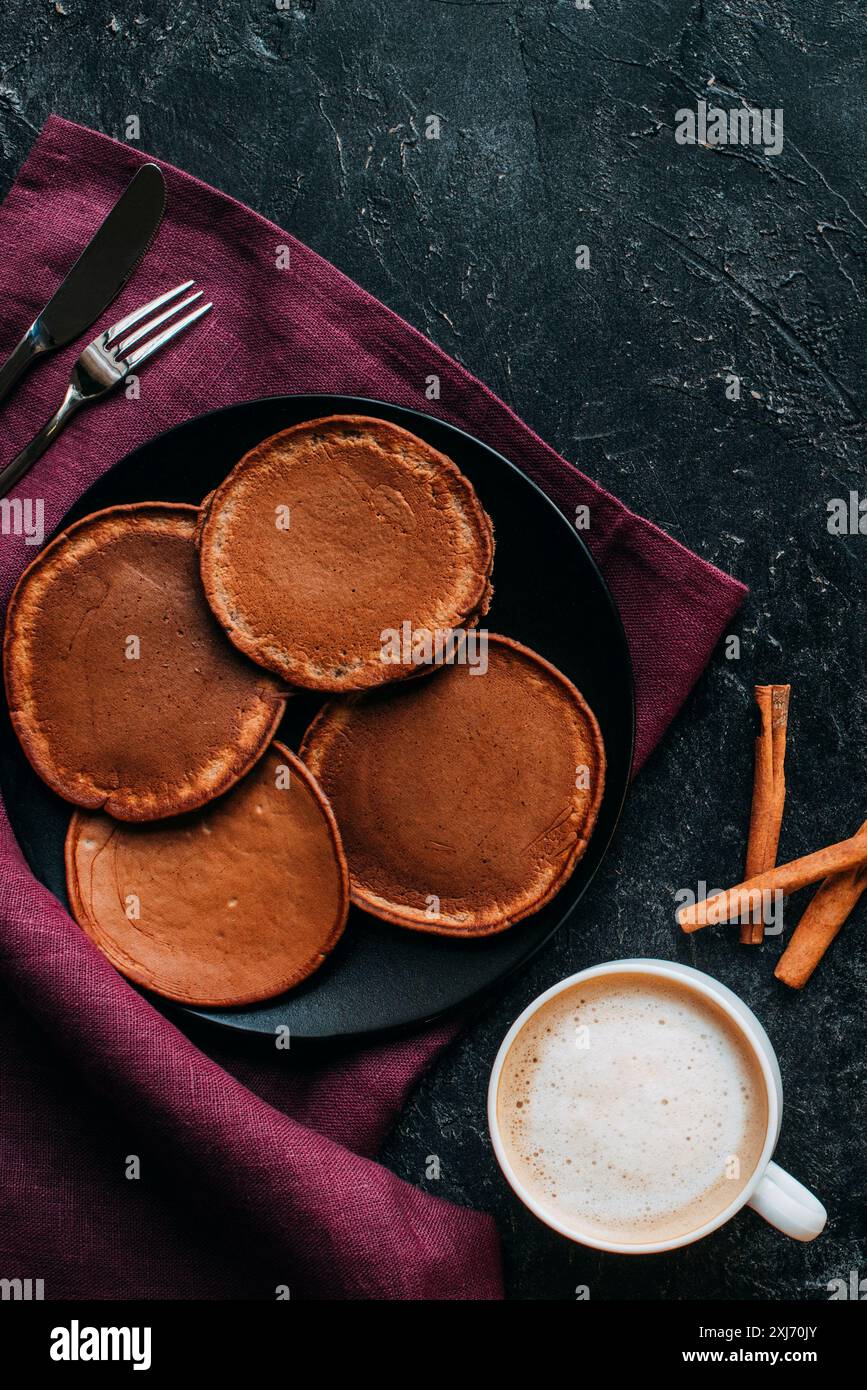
x: 771, y: 1192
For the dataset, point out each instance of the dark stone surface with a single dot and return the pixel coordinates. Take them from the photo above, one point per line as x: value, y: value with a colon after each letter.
x: 557, y: 130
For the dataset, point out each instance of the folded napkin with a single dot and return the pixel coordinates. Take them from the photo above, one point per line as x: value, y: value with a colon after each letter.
x: 256, y: 1172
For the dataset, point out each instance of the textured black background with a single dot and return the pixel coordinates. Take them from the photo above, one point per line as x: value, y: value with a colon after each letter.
x: 557, y: 130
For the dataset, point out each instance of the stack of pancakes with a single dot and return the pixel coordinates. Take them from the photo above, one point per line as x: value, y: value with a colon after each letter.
x: 149, y: 653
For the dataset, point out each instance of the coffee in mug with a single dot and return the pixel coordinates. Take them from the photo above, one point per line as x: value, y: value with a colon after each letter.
x: 632, y: 1109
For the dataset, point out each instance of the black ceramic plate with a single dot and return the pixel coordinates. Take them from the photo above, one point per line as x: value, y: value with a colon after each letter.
x: 548, y: 593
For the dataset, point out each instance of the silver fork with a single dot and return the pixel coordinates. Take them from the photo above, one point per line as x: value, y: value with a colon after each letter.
x: 104, y: 364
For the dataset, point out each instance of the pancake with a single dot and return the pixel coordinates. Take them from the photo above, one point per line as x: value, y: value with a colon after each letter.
x: 332, y: 533
x: 202, y: 518
x: 236, y: 902
x: 140, y: 738
x: 456, y: 796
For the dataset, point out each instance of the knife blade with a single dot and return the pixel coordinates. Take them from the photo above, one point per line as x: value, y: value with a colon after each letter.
x: 99, y: 274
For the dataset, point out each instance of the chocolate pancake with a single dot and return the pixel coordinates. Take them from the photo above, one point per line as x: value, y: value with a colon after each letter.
x: 333, y: 533
x: 121, y: 686
x: 464, y: 801
x: 231, y: 904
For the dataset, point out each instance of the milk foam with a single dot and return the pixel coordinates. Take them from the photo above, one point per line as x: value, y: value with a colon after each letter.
x: 632, y: 1108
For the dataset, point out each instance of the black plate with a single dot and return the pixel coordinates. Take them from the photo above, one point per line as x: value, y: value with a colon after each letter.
x: 548, y: 593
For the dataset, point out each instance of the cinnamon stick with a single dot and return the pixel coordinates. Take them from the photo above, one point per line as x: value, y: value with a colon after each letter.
x: 785, y: 878
x: 832, y: 903
x: 769, y: 792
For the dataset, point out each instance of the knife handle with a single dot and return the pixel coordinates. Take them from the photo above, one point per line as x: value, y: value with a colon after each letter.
x: 39, y: 443
x: 32, y: 345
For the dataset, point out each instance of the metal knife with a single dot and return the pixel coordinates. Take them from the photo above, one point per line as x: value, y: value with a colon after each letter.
x: 98, y: 275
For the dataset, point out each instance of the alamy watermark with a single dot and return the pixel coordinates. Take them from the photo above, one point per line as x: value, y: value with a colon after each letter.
x: 23, y: 516
x: 742, y: 125
x: 847, y: 516
x: 447, y: 646
x: 754, y: 905
x: 77, y: 1343
x: 853, y: 1287
x: 22, y: 1290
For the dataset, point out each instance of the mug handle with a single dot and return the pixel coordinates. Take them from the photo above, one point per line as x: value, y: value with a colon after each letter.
x: 788, y: 1204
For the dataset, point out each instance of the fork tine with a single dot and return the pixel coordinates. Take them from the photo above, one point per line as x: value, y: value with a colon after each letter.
x: 122, y: 348
x: 142, y: 354
x: 138, y: 314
